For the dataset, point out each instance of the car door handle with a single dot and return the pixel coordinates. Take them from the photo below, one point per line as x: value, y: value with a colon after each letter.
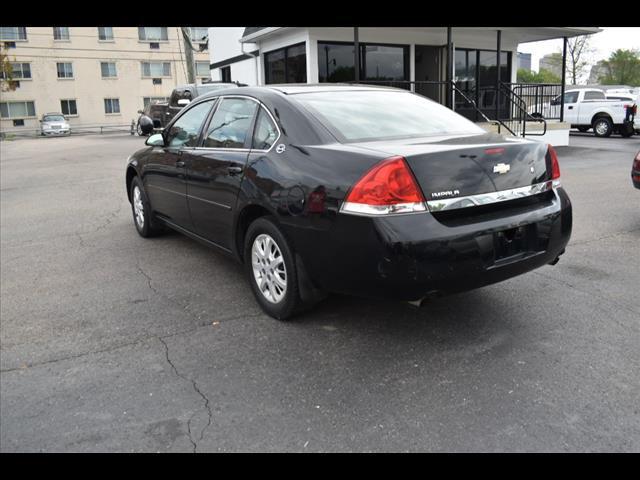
x: 234, y: 170
x: 179, y: 163
x: 570, y: 108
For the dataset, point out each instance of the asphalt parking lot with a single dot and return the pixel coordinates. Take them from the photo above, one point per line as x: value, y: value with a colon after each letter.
x: 110, y: 342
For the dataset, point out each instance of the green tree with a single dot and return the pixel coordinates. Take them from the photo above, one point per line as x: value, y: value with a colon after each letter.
x: 622, y: 68
x: 579, y: 51
x: 6, y: 72
x: 543, y: 76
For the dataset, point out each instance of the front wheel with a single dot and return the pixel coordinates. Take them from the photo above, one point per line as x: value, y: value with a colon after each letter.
x: 142, y: 217
x: 271, y: 269
x: 602, y: 127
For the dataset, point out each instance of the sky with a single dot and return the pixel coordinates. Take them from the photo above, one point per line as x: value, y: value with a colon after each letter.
x: 605, y: 42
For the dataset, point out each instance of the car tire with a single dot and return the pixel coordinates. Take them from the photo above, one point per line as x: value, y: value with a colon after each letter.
x: 602, y: 127
x: 143, y: 219
x: 583, y: 129
x: 270, y: 267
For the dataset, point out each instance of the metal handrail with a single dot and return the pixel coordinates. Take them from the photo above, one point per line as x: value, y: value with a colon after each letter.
x: 525, y: 115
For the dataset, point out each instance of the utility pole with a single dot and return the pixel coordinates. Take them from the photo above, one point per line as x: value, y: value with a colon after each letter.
x: 188, y: 50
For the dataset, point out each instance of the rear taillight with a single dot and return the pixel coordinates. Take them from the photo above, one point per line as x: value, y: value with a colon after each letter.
x: 636, y: 163
x: 555, y: 166
x: 388, y: 188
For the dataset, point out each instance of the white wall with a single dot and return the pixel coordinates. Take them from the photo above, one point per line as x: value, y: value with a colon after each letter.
x: 225, y: 44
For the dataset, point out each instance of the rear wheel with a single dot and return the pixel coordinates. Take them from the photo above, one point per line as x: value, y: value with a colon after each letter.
x: 602, y: 127
x: 142, y: 217
x: 271, y: 269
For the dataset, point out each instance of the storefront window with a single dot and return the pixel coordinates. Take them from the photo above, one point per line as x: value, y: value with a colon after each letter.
x: 286, y: 65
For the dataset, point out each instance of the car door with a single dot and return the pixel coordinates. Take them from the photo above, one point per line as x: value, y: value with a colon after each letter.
x: 217, y: 166
x: 571, y: 107
x: 165, y: 171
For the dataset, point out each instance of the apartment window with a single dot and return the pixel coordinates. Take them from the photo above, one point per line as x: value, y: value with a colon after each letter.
x: 111, y: 106
x: 153, y: 34
x: 68, y: 107
x: 61, y: 33
x: 13, y: 33
x: 225, y: 74
x: 105, y: 34
x: 287, y: 65
x: 17, y: 109
x: 152, y: 100
x: 65, y: 70
x: 199, y: 34
x: 19, y: 71
x: 156, y: 69
x: 202, y: 69
x: 108, y: 69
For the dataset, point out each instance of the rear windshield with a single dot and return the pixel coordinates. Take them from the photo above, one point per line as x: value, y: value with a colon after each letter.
x: 205, y: 88
x: 374, y: 115
x: 53, y: 118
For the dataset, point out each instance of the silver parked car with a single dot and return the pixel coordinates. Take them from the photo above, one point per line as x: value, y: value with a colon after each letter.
x: 54, y: 124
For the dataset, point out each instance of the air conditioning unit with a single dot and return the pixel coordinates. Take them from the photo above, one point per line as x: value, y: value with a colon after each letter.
x: 157, y: 81
x: 154, y: 45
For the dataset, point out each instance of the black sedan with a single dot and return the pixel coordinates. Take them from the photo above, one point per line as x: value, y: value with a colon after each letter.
x: 635, y: 171
x: 361, y: 190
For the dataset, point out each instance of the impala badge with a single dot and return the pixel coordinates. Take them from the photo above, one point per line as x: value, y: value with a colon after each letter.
x: 501, y: 168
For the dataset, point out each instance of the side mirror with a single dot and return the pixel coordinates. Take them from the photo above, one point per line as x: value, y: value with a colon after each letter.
x: 183, y: 101
x: 156, y: 140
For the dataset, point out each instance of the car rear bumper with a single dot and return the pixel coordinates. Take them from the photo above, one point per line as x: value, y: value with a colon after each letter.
x: 409, y: 257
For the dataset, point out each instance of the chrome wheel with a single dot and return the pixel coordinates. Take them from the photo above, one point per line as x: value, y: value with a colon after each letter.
x: 269, y: 270
x: 602, y: 128
x: 138, y: 207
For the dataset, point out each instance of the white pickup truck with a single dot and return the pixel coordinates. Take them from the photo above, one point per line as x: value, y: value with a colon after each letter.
x: 589, y: 108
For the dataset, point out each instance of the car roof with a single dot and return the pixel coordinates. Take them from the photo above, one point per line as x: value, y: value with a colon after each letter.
x: 296, y: 88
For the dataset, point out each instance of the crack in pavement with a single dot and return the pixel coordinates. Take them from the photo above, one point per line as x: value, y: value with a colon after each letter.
x: 198, y: 391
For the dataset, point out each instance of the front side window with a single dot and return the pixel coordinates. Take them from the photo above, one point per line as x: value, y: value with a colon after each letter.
x: 571, y: 97
x: 108, y: 69
x: 105, y: 33
x: 19, y: 71
x: 61, y: 33
x: 153, y: 34
x: 68, y: 107
x: 185, y: 131
x: 13, y: 33
x: 65, y: 70
x: 111, y: 106
x: 287, y: 65
x: 156, y: 69
x: 377, y: 115
x: 17, y: 109
x: 265, y: 133
x: 230, y: 124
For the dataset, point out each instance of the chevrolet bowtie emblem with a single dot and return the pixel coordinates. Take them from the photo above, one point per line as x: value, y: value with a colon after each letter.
x: 501, y: 168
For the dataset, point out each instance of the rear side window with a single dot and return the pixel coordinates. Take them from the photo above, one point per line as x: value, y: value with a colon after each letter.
x: 265, y: 133
x: 571, y: 97
x: 230, y: 123
x: 594, y: 96
x: 359, y: 115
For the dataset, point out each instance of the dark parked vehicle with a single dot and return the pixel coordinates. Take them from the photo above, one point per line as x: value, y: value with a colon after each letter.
x: 156, y: 116
x: 361, y: 190
x: 635, y: 171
